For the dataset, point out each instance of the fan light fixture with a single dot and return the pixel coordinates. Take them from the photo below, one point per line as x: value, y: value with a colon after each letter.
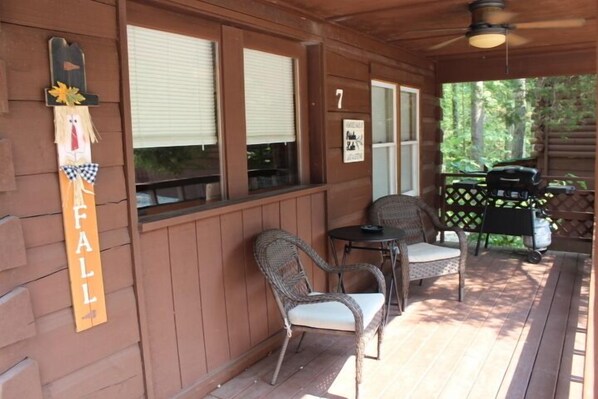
x: 487, y: 37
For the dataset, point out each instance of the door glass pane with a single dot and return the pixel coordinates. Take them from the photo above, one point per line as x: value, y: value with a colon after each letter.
x: 382, y: 115
x: 408, y: 116
x: 381, y: 172
x: 406, y: 168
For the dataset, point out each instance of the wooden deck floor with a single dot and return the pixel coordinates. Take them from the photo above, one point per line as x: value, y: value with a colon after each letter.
x: 520, y: 333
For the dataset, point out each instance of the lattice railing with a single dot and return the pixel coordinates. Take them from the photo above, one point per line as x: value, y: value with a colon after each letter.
x: 462, y: 204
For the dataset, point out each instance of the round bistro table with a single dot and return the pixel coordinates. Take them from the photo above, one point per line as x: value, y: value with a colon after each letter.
x: 387, y: 239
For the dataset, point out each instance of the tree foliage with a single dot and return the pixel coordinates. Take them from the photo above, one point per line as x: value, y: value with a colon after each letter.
x: 513, y: 110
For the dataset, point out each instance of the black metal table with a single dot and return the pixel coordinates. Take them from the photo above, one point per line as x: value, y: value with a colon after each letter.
x: 387, y: 238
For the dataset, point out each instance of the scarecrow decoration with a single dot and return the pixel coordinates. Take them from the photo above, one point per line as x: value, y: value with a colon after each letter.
x: 74, y: 134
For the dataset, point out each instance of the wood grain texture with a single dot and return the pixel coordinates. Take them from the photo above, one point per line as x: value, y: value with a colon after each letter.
x: 93, y: 18
x: 51, y: 293
x: 342, y: 66
x: 25, y: 51
x: 162, y: 338
x: 21, y: 381
x: 119, y: 332
x: 235, y: 288
x: 17, y: 322
x: 356, y: 95
x: 211, y: 278
x: 256, y: 283
x: 3, y: 88
x: 12, y: 243
x: 233, y: 94
x: 7, y: 167
x: 41, y: 261
x: 573, y: 62
x: 440, y: 347
x: 118, y: 376
x: 187, y: 302
x: 271, y: 220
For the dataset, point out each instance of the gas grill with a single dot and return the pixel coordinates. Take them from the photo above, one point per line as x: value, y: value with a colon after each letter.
x: 511, y: 204
x: 513, y: 183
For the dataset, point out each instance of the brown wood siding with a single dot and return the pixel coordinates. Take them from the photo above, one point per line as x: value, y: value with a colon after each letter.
x: 204, y: 311
x: 350, y: 67
x: 208, y: 305
x: 105, y: 360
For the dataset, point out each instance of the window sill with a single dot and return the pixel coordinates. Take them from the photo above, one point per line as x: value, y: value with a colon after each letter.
x: 167, y: 219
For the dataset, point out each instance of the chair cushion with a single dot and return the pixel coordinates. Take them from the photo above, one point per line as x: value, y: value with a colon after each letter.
x: 424, y: 252
x: 335, y: 315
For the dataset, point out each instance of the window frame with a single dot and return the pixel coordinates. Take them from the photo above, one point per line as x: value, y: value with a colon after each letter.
x: 392, y: 147
x: 413, y: 144
x: 230, y: 107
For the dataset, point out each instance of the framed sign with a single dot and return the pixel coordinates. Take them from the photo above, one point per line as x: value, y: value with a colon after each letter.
x: 353, y: 140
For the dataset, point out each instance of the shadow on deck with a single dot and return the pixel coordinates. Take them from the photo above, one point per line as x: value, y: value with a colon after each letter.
x: 520, y: 333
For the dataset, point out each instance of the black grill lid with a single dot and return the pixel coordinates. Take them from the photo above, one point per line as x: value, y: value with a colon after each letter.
x: 513, y: 178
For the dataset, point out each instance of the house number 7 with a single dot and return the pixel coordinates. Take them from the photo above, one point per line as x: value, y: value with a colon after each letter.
x: 339, y: 94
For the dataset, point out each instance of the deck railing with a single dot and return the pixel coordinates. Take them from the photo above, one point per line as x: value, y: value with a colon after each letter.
x: 463, y: 196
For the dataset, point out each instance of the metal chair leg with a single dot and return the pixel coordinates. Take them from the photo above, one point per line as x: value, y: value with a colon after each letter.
x: 280, y: 358
x: 300, y: 342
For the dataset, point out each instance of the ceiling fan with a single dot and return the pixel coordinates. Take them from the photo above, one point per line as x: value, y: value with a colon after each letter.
x: 490, y: 26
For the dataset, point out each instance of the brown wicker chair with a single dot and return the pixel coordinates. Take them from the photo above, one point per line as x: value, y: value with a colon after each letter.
x: 303, y: 310
x: 418, y: 259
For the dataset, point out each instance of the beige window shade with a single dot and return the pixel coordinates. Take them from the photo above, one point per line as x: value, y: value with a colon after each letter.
x: 173, y: 100
x: 269, y: 98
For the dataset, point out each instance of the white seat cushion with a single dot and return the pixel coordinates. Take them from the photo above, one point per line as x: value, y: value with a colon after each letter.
x: 424, y: 252
x: 335, y: 315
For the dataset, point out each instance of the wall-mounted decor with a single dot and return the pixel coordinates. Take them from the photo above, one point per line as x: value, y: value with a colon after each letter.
x: 353, y: 140
x: 74, y: 134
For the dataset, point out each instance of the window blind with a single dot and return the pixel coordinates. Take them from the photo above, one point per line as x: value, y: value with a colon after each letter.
x: 172, y: 89
x: 269, y: 98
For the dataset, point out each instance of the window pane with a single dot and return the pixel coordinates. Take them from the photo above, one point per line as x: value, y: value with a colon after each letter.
x: 270, y: 120
x: 269, y: 98
x: 382, y: 115
x: 271, y: 165
x: 408, y: 116
x: 173, y: 110
x: 381, y: 172
x: 406, y: 168
x: 185, y: 176
x: 172, y: 89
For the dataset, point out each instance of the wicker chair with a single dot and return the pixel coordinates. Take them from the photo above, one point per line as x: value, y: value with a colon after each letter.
x: 418, y: 259
x: 278, y: 255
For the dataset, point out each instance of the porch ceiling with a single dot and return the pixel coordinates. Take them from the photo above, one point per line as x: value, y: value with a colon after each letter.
x: 407, y: 23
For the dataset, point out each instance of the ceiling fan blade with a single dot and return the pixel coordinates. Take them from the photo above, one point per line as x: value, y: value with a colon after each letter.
x: 500, y: 17
x: 516, y: 40
x: 445, y: 43
x: 559, y: 23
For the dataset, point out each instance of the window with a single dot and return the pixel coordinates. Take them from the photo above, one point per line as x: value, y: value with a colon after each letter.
x: 270, y: 120
x: 216, y: 111
x: 173, y: 113
x: 409, y: 141
x: 384, y: 139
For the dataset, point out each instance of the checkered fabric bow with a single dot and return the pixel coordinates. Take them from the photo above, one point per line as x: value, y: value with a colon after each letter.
x: 87, y: 171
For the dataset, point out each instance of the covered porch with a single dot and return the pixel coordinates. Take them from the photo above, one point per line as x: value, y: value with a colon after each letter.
x: 521, y: 333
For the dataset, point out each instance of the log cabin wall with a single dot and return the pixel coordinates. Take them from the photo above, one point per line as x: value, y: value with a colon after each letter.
x: 187, y: 308
x: 350, y: 63
x: 41, y: 355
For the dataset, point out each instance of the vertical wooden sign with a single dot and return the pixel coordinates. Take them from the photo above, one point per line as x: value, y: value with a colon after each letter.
x: 77, y: 173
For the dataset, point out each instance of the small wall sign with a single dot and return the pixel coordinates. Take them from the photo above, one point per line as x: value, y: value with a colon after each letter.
x: 353, y: 140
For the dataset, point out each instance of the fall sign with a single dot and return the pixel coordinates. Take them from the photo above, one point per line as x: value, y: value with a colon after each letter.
x: 74, y: 134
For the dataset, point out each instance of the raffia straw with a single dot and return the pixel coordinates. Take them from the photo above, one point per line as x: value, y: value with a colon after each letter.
x: 78, y: 188
x: 62, y: 127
